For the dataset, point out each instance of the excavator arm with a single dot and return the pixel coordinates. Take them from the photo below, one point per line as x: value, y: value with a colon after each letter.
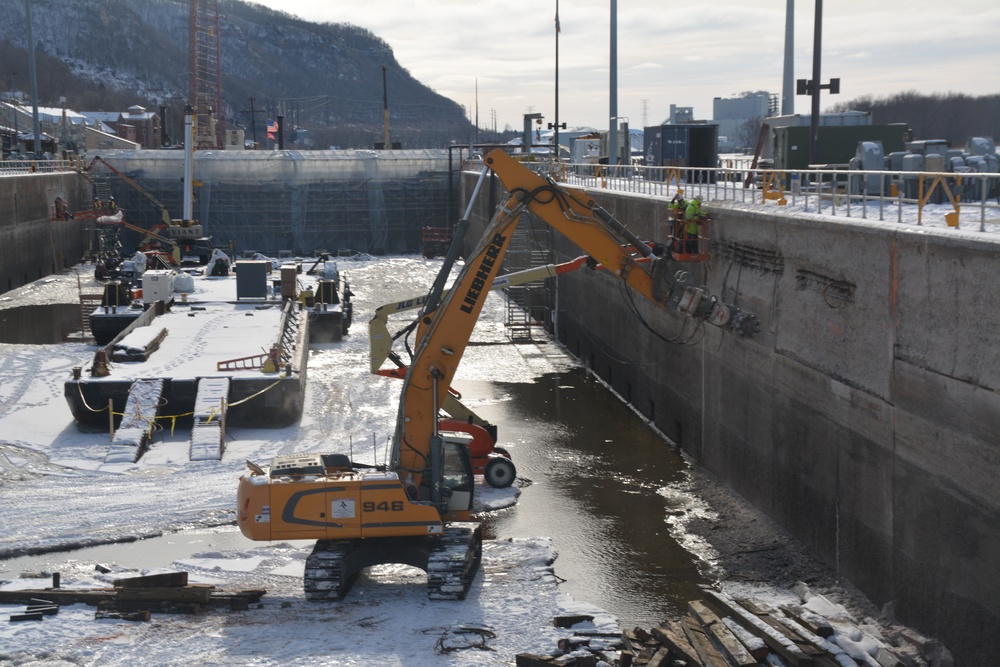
x: 381, y: 340
x: 444, y: 329
x: 579, y: 218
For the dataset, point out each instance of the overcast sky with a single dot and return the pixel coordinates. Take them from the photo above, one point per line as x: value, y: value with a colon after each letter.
x: 670, y: 52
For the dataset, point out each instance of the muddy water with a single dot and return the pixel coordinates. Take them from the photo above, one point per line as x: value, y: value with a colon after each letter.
x: 40, y: 324
x: 595, y: 469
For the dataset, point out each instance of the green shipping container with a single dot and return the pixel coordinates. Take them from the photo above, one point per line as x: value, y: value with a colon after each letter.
x: 837, y: 144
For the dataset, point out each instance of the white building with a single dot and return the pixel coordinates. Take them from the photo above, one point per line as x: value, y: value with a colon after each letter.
x: 739, y: 119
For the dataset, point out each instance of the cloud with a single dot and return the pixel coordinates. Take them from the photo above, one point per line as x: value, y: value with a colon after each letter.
x: 685, y: 54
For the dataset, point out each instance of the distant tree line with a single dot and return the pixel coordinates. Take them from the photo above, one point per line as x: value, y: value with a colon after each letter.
x: 951, y: 116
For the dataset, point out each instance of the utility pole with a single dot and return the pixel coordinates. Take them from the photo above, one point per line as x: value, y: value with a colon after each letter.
x: 34, y: 80
x: 804, y: 87
x: 613, y: 149
x: 385, y: 109
x: 253, y: 119
x: 787, y: 98
x: 555, y: 137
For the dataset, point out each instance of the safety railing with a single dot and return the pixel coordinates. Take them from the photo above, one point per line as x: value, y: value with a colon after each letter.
x: 18, y: 167
x: 967, y: 199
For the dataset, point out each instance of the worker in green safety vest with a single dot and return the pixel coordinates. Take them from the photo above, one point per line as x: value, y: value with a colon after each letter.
x: 692, y: 225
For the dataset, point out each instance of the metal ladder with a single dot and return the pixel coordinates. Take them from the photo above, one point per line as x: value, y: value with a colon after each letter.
x: 524, y: 301
x: 101, y: 186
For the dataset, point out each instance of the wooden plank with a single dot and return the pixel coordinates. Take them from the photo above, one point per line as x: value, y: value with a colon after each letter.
x: 635, y: 640
x: 170, y: 579
x: 722, y: 637
x: 678, y: 644
x: 570, y: 621
x: 836, y: 654
x: 754, y: 644
x: 710, y: 657
x: 196, y: 593
x: 660, y: 659
x: 766, y: 614
x: 62, y: 596
x: 45, y: 610
x: 28, y: 616
x: 183, y: 597
x: 816, y: 623
x: 776, y: 641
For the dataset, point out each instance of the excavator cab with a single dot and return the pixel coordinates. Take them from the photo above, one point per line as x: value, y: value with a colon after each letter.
x: 456, y: 472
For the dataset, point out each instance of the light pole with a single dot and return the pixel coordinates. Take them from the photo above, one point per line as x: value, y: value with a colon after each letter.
x: 613, y: 85
x: 813, y: 87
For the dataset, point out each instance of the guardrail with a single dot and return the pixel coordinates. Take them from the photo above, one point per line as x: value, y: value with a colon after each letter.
x: 881, y: 195
x: 20, y: 167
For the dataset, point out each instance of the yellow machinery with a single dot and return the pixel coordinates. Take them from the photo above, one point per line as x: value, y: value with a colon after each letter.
x: 416, y: 511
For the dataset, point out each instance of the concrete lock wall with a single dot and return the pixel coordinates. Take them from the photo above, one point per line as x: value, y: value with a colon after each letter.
x: 865, y: 416
x: 32, y: 245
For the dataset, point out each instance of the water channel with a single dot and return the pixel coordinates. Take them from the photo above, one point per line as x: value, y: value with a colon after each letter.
x: 595, y: 470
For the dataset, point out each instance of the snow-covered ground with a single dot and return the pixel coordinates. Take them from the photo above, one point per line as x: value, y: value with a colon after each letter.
x: 57, y: 493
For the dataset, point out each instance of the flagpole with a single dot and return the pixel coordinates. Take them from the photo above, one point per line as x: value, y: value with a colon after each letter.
x: 555, y: 138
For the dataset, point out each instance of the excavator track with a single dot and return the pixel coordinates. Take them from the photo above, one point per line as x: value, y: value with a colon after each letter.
x: 453, y: 561
x: 325, y: 577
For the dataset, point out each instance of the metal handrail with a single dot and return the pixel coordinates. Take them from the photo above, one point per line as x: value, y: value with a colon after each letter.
x: 829, y: 191
x: 19, y: 167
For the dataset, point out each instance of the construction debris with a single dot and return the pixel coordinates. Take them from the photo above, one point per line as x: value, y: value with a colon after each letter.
x: 133, y: 598
x: 725, y: 631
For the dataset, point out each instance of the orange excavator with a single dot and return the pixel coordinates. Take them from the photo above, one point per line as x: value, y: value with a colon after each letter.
x: 416, y: 510
x: 492, y: 462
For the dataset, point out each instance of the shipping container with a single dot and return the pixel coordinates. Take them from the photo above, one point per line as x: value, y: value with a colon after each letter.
x: 690, y: 146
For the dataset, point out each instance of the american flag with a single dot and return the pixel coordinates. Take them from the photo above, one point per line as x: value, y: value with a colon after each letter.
x: 272, y: 129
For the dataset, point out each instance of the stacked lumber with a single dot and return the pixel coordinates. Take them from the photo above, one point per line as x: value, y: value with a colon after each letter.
x: 134, y: 598
x: 725, y: 631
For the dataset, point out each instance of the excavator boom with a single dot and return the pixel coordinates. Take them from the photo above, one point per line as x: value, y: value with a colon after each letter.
x: 444, y: 332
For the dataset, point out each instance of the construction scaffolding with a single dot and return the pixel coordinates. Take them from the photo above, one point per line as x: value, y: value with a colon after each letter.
x: 205, y: 74
x: 297, y: 201
x: 528, y: 304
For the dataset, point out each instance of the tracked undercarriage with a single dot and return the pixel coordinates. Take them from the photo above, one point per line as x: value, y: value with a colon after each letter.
x: 450, y: 560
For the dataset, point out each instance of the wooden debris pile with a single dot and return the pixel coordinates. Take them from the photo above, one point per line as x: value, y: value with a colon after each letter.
x: 133, y: 598
x: 725, y: 631
x: 585, y: 648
